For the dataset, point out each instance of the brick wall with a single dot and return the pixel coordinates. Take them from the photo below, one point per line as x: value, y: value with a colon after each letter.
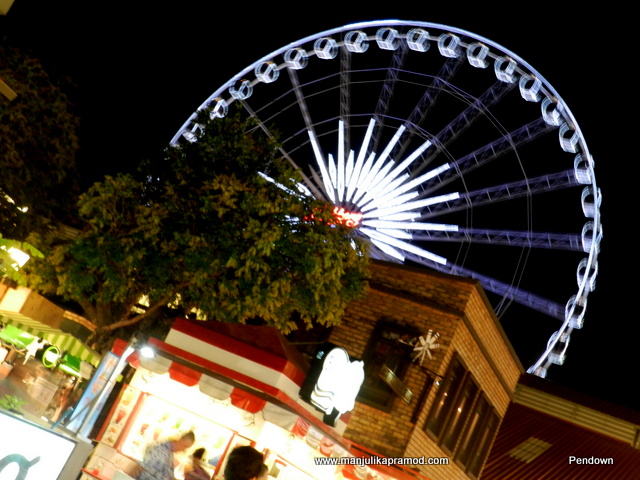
x: 458, y: 310
x: 388, y: 433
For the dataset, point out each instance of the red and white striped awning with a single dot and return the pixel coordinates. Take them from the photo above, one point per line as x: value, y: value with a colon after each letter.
x: 253, y: 366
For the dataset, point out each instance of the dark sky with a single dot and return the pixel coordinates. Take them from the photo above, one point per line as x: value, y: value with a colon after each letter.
x: 139, y: 72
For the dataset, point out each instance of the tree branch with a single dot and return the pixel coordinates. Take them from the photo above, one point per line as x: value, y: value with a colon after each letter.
x: 152, y: 309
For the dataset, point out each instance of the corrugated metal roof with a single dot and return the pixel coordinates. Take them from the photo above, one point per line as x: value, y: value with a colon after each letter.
x: 578, y: 414
x: 615, y: 410
x: 570, y: 444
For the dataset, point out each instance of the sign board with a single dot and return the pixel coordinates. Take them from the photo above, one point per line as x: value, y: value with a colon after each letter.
x: 390, y: 378
x: 93, y: 398
x: 333, y: 381
x: 30, y: 452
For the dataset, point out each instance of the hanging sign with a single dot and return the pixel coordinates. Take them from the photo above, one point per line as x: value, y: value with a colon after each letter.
x: 333, y: 382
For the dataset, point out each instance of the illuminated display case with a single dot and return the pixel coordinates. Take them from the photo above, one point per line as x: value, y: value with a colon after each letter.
x: 120, y: 415
x: 138, y: 420
x: 156, y: 420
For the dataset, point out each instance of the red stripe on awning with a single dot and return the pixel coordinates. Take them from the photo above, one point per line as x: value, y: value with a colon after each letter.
x: 184, y: 375
x: 277, y: 396
x: 134, y: 359
x: 246, y: 401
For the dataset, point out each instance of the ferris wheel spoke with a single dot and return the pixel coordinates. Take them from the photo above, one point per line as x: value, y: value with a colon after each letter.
x: 326, y: 185
x: 433, y: 90
x: 477, y: 109
x: 507, y: 191
x: 429, y: 98
x: 307, y: 183
x: 512, y: 238
x: 345, y: 107
x: 386, y: 92
x: 401, y: 245
x: 505, y: 290
x: 489, y: 152
x: 301, y: 100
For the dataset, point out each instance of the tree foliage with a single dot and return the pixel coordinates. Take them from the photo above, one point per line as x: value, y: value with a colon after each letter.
x: 217, y: 225
x: 38, y: 145
x: 9, y: 266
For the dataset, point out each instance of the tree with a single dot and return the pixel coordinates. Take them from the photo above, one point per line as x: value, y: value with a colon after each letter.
x: 217, y: 225
x: 38, y: 145
x: 11, y: 252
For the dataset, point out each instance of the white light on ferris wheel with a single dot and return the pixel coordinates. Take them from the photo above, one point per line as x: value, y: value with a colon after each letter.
x: 380, y: 192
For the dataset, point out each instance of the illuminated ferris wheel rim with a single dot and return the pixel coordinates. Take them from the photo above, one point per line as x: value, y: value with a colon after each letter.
x: 522, y: 65
x: 451, y: 41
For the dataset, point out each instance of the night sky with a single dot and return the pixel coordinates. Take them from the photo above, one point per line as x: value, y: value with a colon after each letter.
x: 139, y: 72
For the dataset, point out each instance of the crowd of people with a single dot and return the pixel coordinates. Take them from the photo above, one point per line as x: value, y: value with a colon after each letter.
x: 243, y: 463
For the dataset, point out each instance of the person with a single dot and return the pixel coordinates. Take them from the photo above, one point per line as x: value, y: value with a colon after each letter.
x: 195, y: 471
x: 244, y: 463
x: 264, y: 473
x: 158, y: 462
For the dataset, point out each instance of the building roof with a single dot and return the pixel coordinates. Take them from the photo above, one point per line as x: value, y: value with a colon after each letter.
x: 532, y: 445
x: 567, y: 393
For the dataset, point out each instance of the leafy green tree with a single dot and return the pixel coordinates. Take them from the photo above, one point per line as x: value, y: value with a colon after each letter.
x: 9, y: 265
x: 217, y: 225
x: 38, y: 146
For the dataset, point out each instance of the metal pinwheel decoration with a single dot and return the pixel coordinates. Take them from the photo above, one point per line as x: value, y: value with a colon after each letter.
x: 424, y: 344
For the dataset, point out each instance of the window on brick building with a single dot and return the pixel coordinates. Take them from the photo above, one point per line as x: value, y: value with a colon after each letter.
x: 462, y: 420
x: 385, y: 350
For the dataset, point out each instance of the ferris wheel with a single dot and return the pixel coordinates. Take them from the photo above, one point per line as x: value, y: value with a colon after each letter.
x: 445, y: 150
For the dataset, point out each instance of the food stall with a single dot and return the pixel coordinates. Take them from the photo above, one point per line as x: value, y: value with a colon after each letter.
x: 39, y: 373
x: 231, y: 385
x: 43, y: 360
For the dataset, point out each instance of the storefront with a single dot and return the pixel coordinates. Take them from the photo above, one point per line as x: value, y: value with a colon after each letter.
x: 34, y: 391
x: 43, y: 360
x: 42, y: 369
x: 231, y: 385
x: 41, y: 375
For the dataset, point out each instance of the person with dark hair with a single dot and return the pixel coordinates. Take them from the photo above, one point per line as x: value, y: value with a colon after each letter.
x: 244, y: 463
x: 195, y: 471
x: 264, y: 473
x: 158, y: 462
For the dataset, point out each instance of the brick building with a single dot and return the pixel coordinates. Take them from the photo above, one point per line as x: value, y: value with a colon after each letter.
x: 452, y: 404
